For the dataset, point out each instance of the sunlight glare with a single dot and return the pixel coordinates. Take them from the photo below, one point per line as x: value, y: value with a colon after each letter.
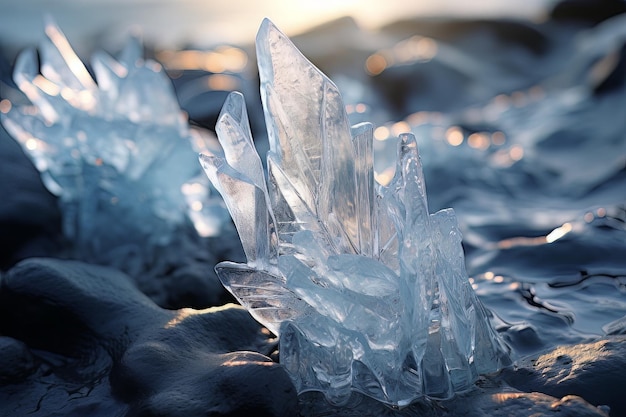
x: 558, y: 233
x: 73, y: 62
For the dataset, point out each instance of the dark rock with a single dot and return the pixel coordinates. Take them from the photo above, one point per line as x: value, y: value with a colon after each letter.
x: 16, y: 360
x: 85, y: 333
x: 29, y: 216
x: 490, y: 398
x: 588, y: 11
x: 180, y: 274
x: 510, y: 31
x: 594, y: 371
x: 510, y: 403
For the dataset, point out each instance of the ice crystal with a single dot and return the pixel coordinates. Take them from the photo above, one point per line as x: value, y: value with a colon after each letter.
x: 367, y: 290
x: 116, y: 150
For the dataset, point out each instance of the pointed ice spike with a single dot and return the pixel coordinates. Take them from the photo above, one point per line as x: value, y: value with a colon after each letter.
x: 108, y: 72
x: 132, y: 54
x: 247, y: 205
x: 407, y: 186
x: 233, y: 131
x: 417, y: 254
x: 25, y: 71
x: 60, y: 64
x: 24, y: 74
x: 291, y: 90
x: 309, y: 133
x: 337, y: 191
x: 455, y: 290
x: 362, y: 142
x: 410, y: 166
x: 405, y: 196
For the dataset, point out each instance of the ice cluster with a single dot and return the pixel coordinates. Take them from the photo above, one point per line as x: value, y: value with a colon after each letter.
x: 367, y: 290
x: 117, y: 150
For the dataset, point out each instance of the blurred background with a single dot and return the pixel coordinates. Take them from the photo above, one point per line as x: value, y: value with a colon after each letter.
x: 207, y: 46
x: 203, y: 24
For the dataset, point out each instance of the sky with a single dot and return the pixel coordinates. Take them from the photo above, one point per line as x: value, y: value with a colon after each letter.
x: 204, y: 23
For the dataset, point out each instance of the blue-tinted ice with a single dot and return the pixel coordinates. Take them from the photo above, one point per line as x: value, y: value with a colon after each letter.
x: 116, y: 149
x: 367, y: 290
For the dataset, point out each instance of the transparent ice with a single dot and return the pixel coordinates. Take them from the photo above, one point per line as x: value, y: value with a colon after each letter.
x: 367, y: 290
x: 116, y: 150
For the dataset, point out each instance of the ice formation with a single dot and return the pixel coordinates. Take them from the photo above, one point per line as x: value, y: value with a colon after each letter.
x: 117, y: 150
x: 367, y: 290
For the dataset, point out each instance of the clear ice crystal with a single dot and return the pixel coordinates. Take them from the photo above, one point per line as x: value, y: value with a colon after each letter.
x: 117, y: 150
x: 367, y: 290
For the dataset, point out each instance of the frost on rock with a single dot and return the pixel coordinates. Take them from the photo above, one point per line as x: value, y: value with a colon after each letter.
x: 367, y: 290
x: 116, y: 150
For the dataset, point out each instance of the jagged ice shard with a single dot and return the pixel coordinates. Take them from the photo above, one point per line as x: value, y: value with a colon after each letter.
x: 116, y: 149
x: 367, y: 290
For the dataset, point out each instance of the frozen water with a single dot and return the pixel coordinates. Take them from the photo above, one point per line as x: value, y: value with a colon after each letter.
x: 367, y: 290
x: 116, y: 150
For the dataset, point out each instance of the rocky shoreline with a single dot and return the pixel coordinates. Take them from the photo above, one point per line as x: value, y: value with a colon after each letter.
x: 80, y: 339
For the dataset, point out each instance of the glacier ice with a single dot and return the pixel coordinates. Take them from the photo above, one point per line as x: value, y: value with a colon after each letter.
x: 116, y: 149
x: 367, y: 290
